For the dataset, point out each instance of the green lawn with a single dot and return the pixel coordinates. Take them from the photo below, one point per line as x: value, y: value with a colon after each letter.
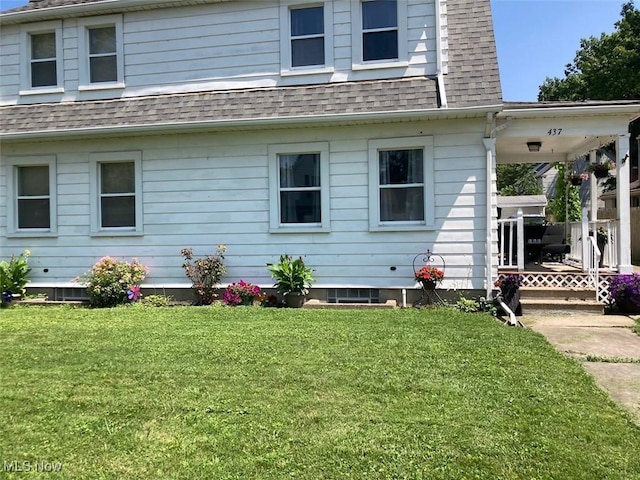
x: 245, y: 393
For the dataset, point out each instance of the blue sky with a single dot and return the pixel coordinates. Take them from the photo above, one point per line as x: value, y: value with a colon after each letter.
x: 535, y: 38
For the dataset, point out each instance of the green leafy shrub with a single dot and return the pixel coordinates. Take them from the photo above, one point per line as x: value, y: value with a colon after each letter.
x: 204, y: 273
x: 111, y: 282
x: 157, y: 300
x: 291, y: 276
x: 13, y: 277
x: 481, y: 304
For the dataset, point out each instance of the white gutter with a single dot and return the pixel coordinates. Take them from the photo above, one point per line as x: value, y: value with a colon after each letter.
x: 543, y: 112
x: 467, y: 112
x: 439, y: 71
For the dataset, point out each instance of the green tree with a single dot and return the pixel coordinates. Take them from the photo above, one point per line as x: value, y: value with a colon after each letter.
x: 566, y: 199
x: 518, y: 179
x: 604, y: 68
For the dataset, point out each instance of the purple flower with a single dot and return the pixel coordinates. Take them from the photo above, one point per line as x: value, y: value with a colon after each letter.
x: 133, y: 293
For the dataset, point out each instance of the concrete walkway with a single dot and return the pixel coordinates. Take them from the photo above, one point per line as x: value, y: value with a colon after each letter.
x: 591, y: 337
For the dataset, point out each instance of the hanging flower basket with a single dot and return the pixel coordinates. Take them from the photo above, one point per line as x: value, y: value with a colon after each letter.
x: 577, y: 178
x: 601, y: 170
x: 429, y: 277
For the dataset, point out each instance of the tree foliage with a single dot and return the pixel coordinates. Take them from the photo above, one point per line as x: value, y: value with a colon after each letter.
x: 518, y: 179
x: 604, y: 68
x: 567, y: 198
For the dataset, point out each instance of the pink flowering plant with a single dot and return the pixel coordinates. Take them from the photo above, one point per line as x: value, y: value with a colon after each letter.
x: 242, y: 293
x: 112, y: 282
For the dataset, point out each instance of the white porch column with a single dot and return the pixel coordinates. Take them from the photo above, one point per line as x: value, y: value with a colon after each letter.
x: 593, y: 188
x: 491, y: 268
x: 623, y: 164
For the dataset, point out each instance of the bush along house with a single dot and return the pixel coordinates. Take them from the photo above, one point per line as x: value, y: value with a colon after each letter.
x: 355, y: 134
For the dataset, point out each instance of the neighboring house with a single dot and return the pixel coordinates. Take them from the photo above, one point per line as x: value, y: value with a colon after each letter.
x: 530, y: 205
x: 354, y: 133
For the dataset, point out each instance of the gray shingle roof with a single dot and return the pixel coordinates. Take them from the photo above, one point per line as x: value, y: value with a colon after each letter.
x: 472, y: 81
x: 473, y: 78
x: 259, y: 103
x: 37, y: 4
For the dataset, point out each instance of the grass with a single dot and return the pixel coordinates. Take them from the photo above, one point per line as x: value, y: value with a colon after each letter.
x: 230, y: 393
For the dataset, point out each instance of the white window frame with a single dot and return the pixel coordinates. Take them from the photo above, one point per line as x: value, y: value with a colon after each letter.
x: 25, y: 58
x: 95, y: 159
x: 356, y: 39
x: 426, y: 144
x: 285, y: 38
x: 84, y: 25
x: 13, y: 163
x: 274, y: 187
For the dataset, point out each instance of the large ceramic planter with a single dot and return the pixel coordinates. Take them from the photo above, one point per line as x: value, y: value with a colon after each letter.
x: 294, y: 300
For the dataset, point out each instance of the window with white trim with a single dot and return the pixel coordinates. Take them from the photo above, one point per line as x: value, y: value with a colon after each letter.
x: 41, y: 53
x: 379, y: 33
x: 306, y: 38
x: 401, y: 182
x: 116, y: 192
x: 299, y: 186
x: 101, y: 53
x: 33, y: 191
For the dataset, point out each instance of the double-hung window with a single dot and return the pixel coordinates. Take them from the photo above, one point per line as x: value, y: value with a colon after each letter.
x: 41, y: 52
x: 101, y: 53
x: 116, y: 192
x: 299, y: 184
x: 33, y: 191
x: 379, y: 30
x: 379, y: 33
x: 306, y: 38
x: 401, y: 182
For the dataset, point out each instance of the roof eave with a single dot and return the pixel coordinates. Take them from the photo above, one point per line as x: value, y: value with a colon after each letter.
x: 84, y: 9
x: 630, y: 110
x: 257, y: 123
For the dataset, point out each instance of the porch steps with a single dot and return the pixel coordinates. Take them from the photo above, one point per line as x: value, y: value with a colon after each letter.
x: 535, y: 299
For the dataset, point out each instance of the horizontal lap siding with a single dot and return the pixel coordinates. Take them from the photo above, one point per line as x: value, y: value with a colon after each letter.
x: 200, y: 190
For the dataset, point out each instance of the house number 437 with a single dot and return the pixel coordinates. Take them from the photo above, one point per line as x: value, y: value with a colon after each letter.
x: 554, y: 131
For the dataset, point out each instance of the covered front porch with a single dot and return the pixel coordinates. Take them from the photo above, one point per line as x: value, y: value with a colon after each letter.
x: 577, y: 255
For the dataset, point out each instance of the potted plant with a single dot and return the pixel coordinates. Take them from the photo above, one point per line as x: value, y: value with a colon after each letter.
x: 601, y: 170
x: 624, y: 291
x: 509, y: 286
x: 430, y: 277
x: 292, y: 279
x: 578, y: 178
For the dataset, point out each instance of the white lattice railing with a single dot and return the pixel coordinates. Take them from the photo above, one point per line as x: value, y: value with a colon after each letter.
x: 576, y: 281
x: 609, y: 252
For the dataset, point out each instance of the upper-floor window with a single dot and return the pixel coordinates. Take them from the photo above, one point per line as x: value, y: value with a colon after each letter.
x: 379, y: 30
x: 43, y: 59
x: 379, y: 33
x: 307, y: 36
x: 101, y: 53
x: 41, y: 52
x: 32, y: 190
x: 306, y: 39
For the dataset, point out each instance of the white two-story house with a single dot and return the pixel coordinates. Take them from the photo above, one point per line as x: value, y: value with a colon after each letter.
x: 356, y: 133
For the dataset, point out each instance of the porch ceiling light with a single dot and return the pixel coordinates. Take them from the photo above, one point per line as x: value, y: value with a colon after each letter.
x: 534, y: 146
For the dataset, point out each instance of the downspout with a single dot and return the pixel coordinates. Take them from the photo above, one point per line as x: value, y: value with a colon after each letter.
x: 489, y: 141
x: 439, y: 69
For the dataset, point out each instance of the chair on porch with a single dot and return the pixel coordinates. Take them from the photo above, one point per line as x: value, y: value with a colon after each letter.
x: 553, y: 242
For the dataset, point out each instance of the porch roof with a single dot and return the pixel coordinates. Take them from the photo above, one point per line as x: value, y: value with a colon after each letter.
x: 566, y: 130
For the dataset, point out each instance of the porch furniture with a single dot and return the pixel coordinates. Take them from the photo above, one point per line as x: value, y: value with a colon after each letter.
x: 553, y: 242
